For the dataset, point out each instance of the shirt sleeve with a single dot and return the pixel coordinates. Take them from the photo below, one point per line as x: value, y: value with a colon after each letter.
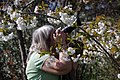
x: 40, y: 61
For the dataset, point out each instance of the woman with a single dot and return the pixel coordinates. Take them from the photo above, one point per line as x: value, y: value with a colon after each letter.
x: 47, y: 67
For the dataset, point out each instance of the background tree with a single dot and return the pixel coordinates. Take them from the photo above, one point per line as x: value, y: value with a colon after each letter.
x: 100, y: 33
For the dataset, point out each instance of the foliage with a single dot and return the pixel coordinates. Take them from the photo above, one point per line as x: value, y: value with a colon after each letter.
x: 100, y: 22
x: 10, y: 60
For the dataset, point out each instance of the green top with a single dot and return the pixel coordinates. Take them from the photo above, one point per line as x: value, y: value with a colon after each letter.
x: 33, y: 69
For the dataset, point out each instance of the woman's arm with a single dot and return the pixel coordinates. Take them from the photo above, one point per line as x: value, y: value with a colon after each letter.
x: 59, y: 67
x: 58, y: 70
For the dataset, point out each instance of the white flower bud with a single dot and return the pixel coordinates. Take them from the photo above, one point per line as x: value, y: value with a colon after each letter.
x: 1, y: 34
x: 36, y: 9
x: 101, y: 24
x: 85, y: 52
x: 118, y: 76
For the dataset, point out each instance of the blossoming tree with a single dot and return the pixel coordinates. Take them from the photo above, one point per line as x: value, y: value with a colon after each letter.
x: 99, y: 33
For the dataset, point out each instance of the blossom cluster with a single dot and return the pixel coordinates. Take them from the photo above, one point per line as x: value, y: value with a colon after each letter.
x: 15, y: 17
x: 63, y: 16
x: 6, y: 38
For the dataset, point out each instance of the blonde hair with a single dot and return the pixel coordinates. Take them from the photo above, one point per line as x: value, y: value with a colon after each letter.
x: 40, y: 37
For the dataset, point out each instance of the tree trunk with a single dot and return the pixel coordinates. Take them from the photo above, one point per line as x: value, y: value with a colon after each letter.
x: 23, y: 52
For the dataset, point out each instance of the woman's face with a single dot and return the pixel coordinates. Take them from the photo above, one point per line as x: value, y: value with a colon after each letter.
x: 50, y: 40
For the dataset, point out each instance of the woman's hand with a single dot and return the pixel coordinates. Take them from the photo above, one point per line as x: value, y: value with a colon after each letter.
x: 59, y: 36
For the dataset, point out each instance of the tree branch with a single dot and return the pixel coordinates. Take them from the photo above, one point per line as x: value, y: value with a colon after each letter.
x: 31, y: 2
x: 37, y: 14
x: 107, y: 54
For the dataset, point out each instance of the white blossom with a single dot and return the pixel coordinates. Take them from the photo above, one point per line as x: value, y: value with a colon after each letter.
x: 20, y: 23
x: 21, y: 26
x: 102, y: 27
x: 100, y: 54
x: 11, y: 36
x: 19, y: 20
x: 9, y: 10
x: 69, y: 7
x: 76, y: 59
x: 64, y: 57
x: 85, y: 60
x: 101, y: 24
x: 118, y: 75
x: 11, y: 25
x: 117, y: 55
x: 33, y: 23
x: 4, y: 8
x: 36, y: 9
x: 67, y: 19
x: 85, y: 1
x: 57, y: 50
x: 71, y: 50
x: 31, y: 26
x: 51, y: 20
x: 17, y: 2
x: 14, y: 15
x: 8, y: 37
x: 34, y: 20
x: 2, y: 21
x: 4, y: 38
x: 110, y: 31
x: 2, y: 26
x: 117, y: 37
x: 85, y: 52
x: 57, y: 22
x: 1, y: 34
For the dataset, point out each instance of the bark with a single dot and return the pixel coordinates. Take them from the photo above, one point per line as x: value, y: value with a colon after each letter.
x: 23, y: 52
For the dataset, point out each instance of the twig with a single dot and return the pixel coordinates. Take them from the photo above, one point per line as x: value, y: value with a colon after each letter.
x: 45, y: 16
x: 31, y: 2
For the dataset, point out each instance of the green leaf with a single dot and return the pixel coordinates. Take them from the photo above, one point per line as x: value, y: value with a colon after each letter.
x: 46, y: 5
x: 40, y: 7
x: 43, y: 3
x: 51, y: 48
x: 44, y: 52
x: 113, y: 49
x: 1, y: 30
